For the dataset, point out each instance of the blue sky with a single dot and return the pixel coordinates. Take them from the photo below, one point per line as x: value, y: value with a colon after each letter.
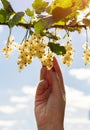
x: 17, y: 90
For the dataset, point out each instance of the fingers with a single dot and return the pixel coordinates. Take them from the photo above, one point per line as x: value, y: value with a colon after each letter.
x: 46, y: 75
x: 43, y: 73
x: 57, y: 87
x: 43, y: 89
x: 55, y: 83
x: 58, y: 70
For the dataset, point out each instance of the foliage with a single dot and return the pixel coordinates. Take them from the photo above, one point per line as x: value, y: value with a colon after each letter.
x: 56, y: 48
x: 7, y: 6
x: 39, y: 6
x: 44, y: 16
x: 15, y: 19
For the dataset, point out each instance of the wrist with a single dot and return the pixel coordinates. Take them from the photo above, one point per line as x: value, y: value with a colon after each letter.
x: 48, y: 128
x: 51, y: 127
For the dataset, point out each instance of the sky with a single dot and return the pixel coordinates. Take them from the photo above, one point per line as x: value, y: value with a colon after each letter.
x: 17, y: 89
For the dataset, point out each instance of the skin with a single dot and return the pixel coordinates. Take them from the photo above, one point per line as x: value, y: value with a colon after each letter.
x: 50, y: 99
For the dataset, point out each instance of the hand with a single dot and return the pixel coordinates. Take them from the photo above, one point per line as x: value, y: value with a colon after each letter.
x: 50, y: 99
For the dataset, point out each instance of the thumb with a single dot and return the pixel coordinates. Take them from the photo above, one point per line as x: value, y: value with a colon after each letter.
x: 42, y: 92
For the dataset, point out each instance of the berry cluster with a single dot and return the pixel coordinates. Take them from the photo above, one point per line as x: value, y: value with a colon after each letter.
x: 86, y: 53
x: 68, y: 57
x: 9, y: 48
x: 34, y: 47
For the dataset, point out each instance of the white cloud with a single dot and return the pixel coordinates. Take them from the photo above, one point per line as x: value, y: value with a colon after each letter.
x: 29, y: 95
x: 19, y: 99
x: 77, y: 120
x: 77, y: 123
x: 29, y: 90
x: 7, y: 123
x: 21, y: 106
x: 77, y: 105
x: 12, y: 109
x: 7, y: 109
x: 5, y: 128
x: 1, y: 28
x: 81, y: 73
x: 77, y: 99
x: 77, y: 108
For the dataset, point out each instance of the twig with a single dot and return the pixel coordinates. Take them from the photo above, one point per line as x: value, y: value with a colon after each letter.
x: 28, y: 26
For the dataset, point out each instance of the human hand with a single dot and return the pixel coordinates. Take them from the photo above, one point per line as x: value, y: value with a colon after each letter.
x: 50, y: 99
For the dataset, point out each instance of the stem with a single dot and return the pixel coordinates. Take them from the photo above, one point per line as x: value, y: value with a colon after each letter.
x: 8, y: 40
x: 86, y: 39
x: 25, y: 36
x: 86, y: 35
x: 28, y: 25
x: 9, y: 36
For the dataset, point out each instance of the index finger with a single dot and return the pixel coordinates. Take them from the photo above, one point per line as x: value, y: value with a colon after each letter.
x: 58, y: 70
x: 43, y: 73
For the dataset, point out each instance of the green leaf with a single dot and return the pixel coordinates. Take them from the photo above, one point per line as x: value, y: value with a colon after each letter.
x: 51, y: 36
x: 39, y: 6
x: 16, y: 19
x: 40, y: 26
x: 7, y: 6
x: 4, y: 16
x: 56, y: 48
x: 29, y: 13
x: 1, y: 18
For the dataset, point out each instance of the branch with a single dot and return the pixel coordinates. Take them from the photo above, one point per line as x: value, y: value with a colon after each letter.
x: 28, y: 25
x: 69, y: 26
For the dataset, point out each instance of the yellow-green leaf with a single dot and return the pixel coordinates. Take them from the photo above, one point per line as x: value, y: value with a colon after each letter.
x: 61, y: 3
x: 40, y: 26
x: 39, y: 6
x: 59, y: 23
x: 61, y: 13
x: 29, y: 13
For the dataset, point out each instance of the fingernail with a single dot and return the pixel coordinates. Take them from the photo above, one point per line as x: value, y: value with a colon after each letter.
x: 53, y: 69
x: 43, y: 66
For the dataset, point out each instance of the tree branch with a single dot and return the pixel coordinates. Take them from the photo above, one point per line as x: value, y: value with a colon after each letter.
x: 28, y: 25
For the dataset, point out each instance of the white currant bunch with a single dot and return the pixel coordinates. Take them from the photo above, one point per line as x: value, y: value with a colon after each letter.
x: 68, y: 57
x: 47, y: 60
x: 86, y: 53
x: 7, y: 50
x: 34, y: 47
